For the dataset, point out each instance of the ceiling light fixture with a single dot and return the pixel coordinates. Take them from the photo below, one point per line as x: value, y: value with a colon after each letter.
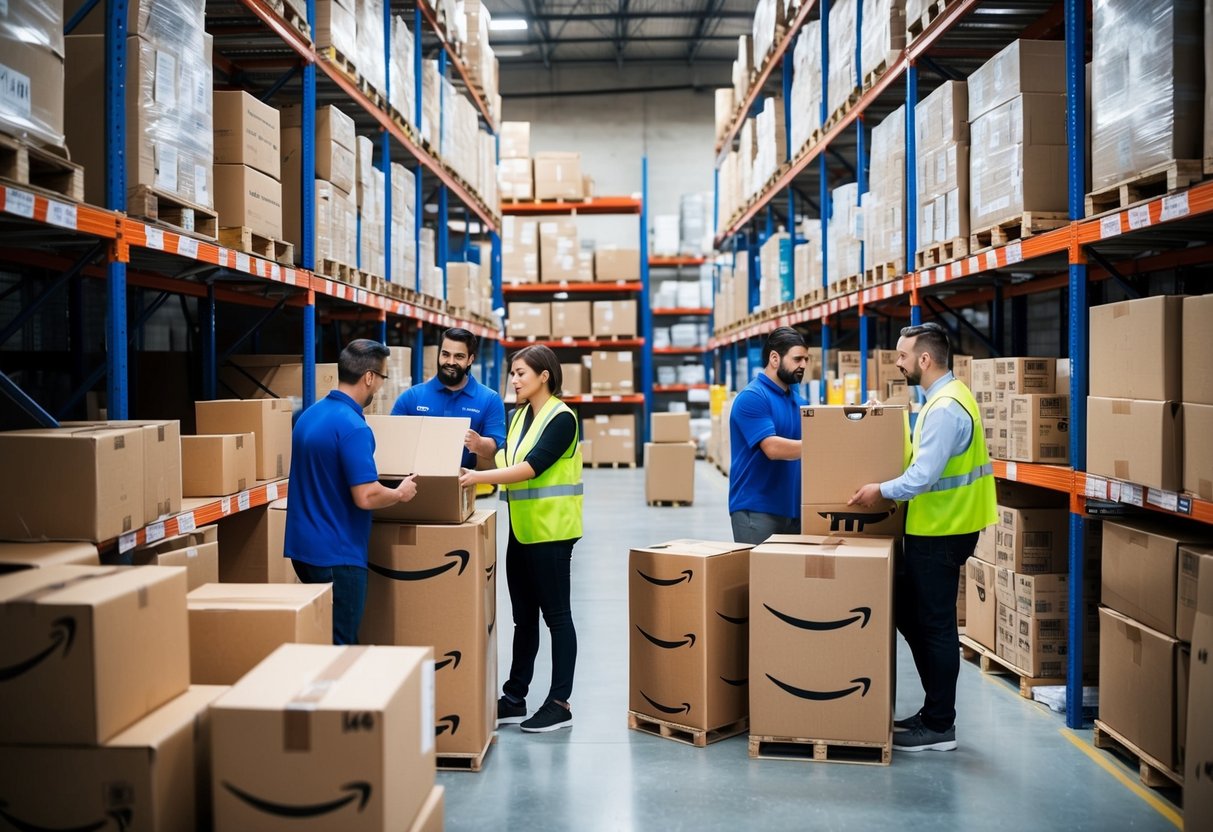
x: 508, y: 24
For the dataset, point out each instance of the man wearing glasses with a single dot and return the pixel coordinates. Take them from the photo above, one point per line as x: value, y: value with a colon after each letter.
x: 453, y: 392
x: 334, y: 486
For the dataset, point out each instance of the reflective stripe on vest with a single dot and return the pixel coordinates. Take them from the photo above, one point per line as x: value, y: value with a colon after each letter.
x: 516, y: 494
x: 948, y: 483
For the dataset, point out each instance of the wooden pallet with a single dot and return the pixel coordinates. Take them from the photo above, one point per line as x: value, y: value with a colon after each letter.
x: 810, y: 298
x: 669, y: 503
x: 465, y: 761
x: 821, y: 751
x: 1148, y: 184
x: 990, y: 662
x: 844, y: 286
x: 870, y: 78
x: 294, y: 20
x: 840, y: 113
x: 246, y: 240
x: 172, y: 212
x: 609, y: 464
x: 350, y: 70
x: 1019, y: 227
x: 915, y: 28
x: 697, y: 737
x: 336, y: 271
x: 1151, y: 772
x: 938, y: 253
x: 23, y: 163
x: 883, y: 273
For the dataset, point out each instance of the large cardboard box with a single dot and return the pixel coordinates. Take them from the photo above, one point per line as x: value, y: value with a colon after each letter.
x: 1042, y: 594
x: 269, y: 419
x: 515, y: 139
x: 1032, y: 540
x: 612, y: 372
x: 558, y: 176
x: 91, y: 650
x: 1198, y: 750
x: 1041, y: 643
x: 1197, y: 360
x: 1198, y: 449
x: 430, y: 447
x: 1025, y: 375
x: 558, y: 249
x: 429, y: 819
x: 275, y: 376
x: 1137, y: 684
x: 1141, y: 570
x: 251, y: 547
x: 1135, y: 440
x: 612, y: 263
x: 845, y: 448
x: 234, y: 626
x: 1006, y: 633
x: 218, y: 464
x: 1004, y: 586
x: 688, y: 607
x: 669, y: 472
x: 336, y: 143
x: 437, y: 585
x: 1137, y: 348
x: 615, y: 317
x: 575, y: 378
x: 17, y: 556
x: 613, y: 437
x: 830, y: 597
x: 519, y: 249
x: 515, y: 179
x: 161, y: 462
x: 197, y: 551
x: 246, y: 197
x: 1039, y: 428
x: 153, y: 775
x: 345, y: 727
x: 670, y: 427
x: 572, y: 319
x: 529, y: 320
x: 1023, y: 66
x: 247, y: 132
x: 1192, y: 560
x: 980, y: 602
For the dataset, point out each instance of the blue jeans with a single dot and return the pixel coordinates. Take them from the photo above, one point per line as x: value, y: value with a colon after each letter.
x: 754, y: 527
x: 349, y: 595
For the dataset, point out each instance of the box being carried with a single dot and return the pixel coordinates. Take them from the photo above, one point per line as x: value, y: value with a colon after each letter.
x: 431, y: 447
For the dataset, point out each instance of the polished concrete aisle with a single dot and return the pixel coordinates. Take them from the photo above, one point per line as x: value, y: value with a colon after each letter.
x: 1017, y: 766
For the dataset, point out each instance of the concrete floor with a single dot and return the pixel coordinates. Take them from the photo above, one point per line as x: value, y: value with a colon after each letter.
x: 1017, y: 765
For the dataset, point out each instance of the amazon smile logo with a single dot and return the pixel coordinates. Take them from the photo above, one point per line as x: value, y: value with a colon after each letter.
x: 845, y: 521
x: 685, y: 708
x: 686, y: 576
x: 688, y: 640
x: 452, y: 656
x: 63, y: 633
x: 425, y: 574
x: 744, y: 619
x: 861, y: 684
x: 447, y: 723
x: 121, y: 817
x: 489, y: 571
x: 358, y: 791
x: 862, y: 615
x: 735, y: 682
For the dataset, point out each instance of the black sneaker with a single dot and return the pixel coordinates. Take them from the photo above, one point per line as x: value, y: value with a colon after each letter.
x: 921, y: 738
x: 907, y: 723
x: 551, y: 717
x: 509, y: 713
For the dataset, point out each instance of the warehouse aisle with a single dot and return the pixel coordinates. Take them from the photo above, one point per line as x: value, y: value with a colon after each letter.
x: 1015, y: 763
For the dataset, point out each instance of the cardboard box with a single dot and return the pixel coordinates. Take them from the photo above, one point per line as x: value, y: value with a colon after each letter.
x: 1042, y: 595
x: 845, y: 448
x: 1041, y: 644
x: 962, y: 368
x: 1192, y: 560
x: 197, y: 551
x: 1183, y: 672
x: 17, y: 556
x: 92, y: 650
x: 1004, y: 586
x: 336, y: 142
x: 1197, y: 360
x: 980, y: 602
x: 585, y: 266
x: 218, y: 464
x: 669, y: 472
x: 612, y: 372
x: 558, y: 176
x: 1198, y: 449
x: 1141, y: 570
x: 1023, y: 66
x: 558, y: 248
x: 1006, y: 633
x: 161, y: 462
x: 574, y: 378
x: 615, y: 317
x: 1198, y: 790
x: 960, y: 599
x: 670, y: 427
x: 612, y: 263
x: 98, y: 471
x: 689, y: 587
x: 153, y: 775
x: 245, y: 197
x: 313, y: 724
x: 1025, y: 375
x: 613, y: 438
x: 1039, y: 428
x: 572, y: 319
x: 1137, y: 684
x: 1135, y: 440
x: 529, y: 320
x: 798, y: 584
x: 515, y: 139
x: 251, y: 547
x: 1032, y: 540
x: 430, y: 818
x: 519, y: 250
x: 986, y: 549
x: 431, y: 447
x: 1137, y: 348
x: 437, y: 585
x: 269, y: 419
x: 515, y: 179
x: 274, y: 377
x: 234, y: 626
x: 247, y: 132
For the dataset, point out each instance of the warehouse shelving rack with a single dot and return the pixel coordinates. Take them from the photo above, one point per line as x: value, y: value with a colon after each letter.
x: 678, y: 266
x: 1164, y: 233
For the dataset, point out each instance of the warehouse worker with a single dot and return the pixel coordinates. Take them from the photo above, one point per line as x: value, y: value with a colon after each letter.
x: 539, y: 471
x: 453, y: 392
x: 950, y: 487
x: 764, y: 430
x: 335, y: 486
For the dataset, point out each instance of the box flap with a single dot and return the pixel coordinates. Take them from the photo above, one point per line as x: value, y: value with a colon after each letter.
x: 694, y: 548
x: 255, y: 596
x: 429, y: 446
x: 168, y: 719
x: 84, y: 585
x: 833, y: 545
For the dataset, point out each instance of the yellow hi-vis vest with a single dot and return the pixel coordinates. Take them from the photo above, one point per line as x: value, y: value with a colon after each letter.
x: 964, y: 499
x: 547, y: 507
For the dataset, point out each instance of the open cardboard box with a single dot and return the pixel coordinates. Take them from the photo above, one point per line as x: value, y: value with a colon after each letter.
x: 430, y: 447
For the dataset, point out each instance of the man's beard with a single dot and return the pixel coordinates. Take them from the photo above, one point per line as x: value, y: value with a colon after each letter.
x: 913, y: 377
x: 452, y: 374
x: 790, y: 377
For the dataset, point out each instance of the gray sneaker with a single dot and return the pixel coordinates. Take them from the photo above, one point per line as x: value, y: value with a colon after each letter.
x: 906, y: 724
x: 919, y: 737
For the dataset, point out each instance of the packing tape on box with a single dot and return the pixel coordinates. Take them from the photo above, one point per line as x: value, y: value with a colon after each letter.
x: 296, y: 717
x: 36, y: 595
x: 819, y: 566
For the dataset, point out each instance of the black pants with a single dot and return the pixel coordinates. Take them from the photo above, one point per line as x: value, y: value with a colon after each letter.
x: 926, y: 587
x: 538, y: 576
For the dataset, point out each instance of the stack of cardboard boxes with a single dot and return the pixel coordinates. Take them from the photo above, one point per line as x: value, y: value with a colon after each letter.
x: 514, y: 177
x: 519, y: 249
x: 31, y: 39
x: 884, y: 204
x: 669, y: 460
x: 248, y: 165
x: 335, y: 185
x: 1024, y: 414
x: 609, y: 439
x: 776, y: 280
x: 369, y: 187
x: 842, y: 82
x: 238, y: 437
x: 806, y: 85
x: 882, y: 35
x: 845, y: 233
x: 941, y: 127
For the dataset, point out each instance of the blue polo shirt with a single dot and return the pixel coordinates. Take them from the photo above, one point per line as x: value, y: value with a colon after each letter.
x: 473, y: 400
x: 332, y: 450
x: 757, y: 483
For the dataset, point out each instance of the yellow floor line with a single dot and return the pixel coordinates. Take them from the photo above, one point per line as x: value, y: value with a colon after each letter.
x: 1159, y: 805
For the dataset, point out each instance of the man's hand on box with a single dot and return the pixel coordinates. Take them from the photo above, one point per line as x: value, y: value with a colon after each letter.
x: 867, y: 495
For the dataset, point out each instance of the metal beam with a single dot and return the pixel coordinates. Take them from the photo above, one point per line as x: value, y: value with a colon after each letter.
x: 28, y: 311
x: 28, y: 406
x: 621, y: 32
x: 588, y: 17
x: 584, y: 40
x: 533, y: 10
x: 706, y: 23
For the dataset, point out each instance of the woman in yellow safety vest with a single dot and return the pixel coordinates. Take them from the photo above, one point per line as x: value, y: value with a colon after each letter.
x: 539, y: 471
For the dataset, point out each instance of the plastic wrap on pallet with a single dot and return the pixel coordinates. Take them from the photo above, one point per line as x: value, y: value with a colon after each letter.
x: 806, y: 258
x: 726, y: 104
x: 806, y: 85
x: 369, y: 58
x: 842, y: 80
x: 403, y: 94
x: 31, y: 70
x: 845, y: 233
x: 941, y: 129
x: 771, y: 149
x: 155, y: 19
x: 743, y: 67
x: 404, y: 248
x: 695, y: 223
x: 746, y: 150
x: 776, y: 279
x: 884, y: 33
x: 1023, y: 66
x: 915, y: 9
x: 767, y: 15
x: 884, y: 203
x: 479, y: 57
x: 337, y: 27
x: 430, y: 92
x: 1146, y: 86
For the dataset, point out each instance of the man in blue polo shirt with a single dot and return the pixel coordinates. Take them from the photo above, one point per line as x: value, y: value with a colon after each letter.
x: 453, y: 392
x: 335, y: 486
x: 764, y: 429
